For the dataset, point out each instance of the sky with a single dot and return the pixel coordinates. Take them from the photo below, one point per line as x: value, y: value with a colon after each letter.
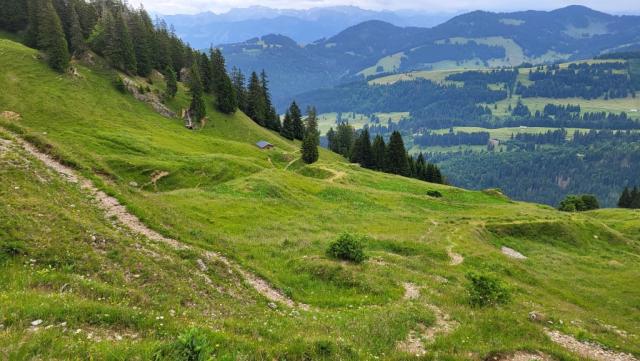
x: 436, y: 6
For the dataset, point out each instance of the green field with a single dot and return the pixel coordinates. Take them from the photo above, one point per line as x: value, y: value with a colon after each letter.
x: 102, y: 291
x: 328, y: 120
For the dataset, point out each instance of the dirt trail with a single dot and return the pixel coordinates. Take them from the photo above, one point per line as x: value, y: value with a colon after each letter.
x: 112, y: 208
x: 411, y: 291
x: 416, y: 339
x: 522, y: 356
x: 456, y: 258
x: 337, y: 174
x: 588, y: 350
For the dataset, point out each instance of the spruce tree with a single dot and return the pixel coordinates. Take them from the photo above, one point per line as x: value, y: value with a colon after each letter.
x: 635, y: 198
x: 13, y: 15
x: 172, y: 83
x: 397, y: 155
x: 238, y: 80
x: 76, y: 36
x: 142, y: 42
x: 362, y: 152
x: 378, y: 151
x: 311, y: 139
x: 287, y: 127
x: 256, y: 108
x: 129, y: 62
x: 296, y: 119
x: 332, y: 140
x: 226, y: 99
x: 625, y: 199
x: 51, y: 37
x: 197, y: 108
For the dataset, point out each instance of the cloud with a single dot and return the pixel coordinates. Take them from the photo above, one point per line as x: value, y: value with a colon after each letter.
x: 196, y: 6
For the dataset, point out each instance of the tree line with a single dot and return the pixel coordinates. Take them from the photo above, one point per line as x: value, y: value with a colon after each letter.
x: 630, y: 198
x: 451, y: 139
x: 391, y: 157
x: 588, y: 81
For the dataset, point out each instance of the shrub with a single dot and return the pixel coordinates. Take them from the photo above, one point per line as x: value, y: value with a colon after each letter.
x: 485, y: 291
x: 573, y: 203
x: 347, y: 247
x: 119, y: 84
x: 11, y: 249
x: 191, y: 345
x: 434, y: 194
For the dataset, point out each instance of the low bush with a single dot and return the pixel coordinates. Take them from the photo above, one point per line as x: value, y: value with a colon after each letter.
x: 573, y: 203
x: 347, y: 247
x: 485, y: 290
x: 191, y: 345
x: 434, y: 194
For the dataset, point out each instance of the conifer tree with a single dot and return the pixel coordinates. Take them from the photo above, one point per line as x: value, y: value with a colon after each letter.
x: 378, y: 151
x: 362, y: 152
x: 256, y: 107
x: 625, y: 199
x: 197, y: 108
x: 397, y: 155
x: 238, y: 80
x: 33, y: 17
x: 76, y: 37
x: 296, y: 119
x: 142, y: 42
x: 13, y: 15
x: 421, y: 167
x: 635, y: 198
x: 226, y: 99
x: 287, y: 127
x: 332, y: 140
x: 172, y: 83
x: 311, y: 139
x: 128, y: 56
x: 51, y: 37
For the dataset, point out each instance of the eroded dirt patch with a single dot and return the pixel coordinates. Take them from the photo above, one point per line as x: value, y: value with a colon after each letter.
x: 587, y: 350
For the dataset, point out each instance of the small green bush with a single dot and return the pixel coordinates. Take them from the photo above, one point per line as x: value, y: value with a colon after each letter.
x: 485, y: 291
x: 191, y: 345
x: 434, y: 194
x: 119, y: 84
x: 11, y: 249
x: 347, y: 247
x: 581, y: 203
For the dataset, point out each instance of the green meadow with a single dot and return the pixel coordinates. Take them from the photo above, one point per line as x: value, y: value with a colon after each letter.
x: 103, y: 292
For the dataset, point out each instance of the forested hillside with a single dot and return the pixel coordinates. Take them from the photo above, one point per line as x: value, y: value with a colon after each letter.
x: 474, y: 40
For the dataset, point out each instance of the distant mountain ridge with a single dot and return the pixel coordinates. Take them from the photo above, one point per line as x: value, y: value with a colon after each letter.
x: 473, y: 40
x: 303, y: 26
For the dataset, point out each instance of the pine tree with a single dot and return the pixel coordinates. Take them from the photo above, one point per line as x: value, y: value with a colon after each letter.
x: 238, y: 80
x: 287, y: 127
x: 32, y: 33
x: 397, y: 155
x: 421, y: 167
x: 129, y: 62
x: 142, y: 42
x: 362, y: 152
x: 77, y: 44
x: 197, y: 108
x: 311, y: 139
x: 172, y: 83
x: 13, y: 15
x: 296, y: 119
x: 332, y: 140
x: 378, y: 151
x: 625, y: 199
x: 635, y: 198
x: 226, y: 99
x: 256, y: 108
x: 51, y: 37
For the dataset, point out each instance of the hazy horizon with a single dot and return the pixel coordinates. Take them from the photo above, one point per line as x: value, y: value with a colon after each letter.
x: 173, y: 7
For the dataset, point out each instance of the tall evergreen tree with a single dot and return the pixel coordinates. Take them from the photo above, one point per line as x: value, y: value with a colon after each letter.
x: 332, y: 140
x: 142, y: 42
x: 13, y: 15
x: 256, y: 107
x: 311, y: 140
x: 77, y: 43
x: 378, y: 152
x: 226, y: 99
x: 397, y: 155
x: 635, y: 198
x: 362, y: 152
x: 625, y: 199
x: 238, y: 80
x: 172, y: 83
x: 296, y: 119
x: 287, y: 127
x: 51, y: 37
x: 197, y: 108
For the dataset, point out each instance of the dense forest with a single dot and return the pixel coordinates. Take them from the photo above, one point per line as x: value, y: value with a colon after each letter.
x: 547, y: 176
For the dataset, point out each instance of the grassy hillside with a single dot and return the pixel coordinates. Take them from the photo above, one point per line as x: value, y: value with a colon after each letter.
x: 66, y: 264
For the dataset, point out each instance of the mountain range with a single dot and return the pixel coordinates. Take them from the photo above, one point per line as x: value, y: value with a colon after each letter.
x: 303, y: 26
x: 473, y: 40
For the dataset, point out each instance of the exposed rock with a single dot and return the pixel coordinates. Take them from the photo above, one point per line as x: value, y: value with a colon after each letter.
x: 9, y: 115
x: 148, y: 97
x: 512, y: 253
x: 588, y: 350
x: 36, y: 323
x: 272, y: 305
x: 133, y: 184
x: 411, y: 291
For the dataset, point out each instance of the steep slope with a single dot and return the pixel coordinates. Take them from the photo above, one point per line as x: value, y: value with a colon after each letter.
x: 274, y: 218
x: 476, y: 39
